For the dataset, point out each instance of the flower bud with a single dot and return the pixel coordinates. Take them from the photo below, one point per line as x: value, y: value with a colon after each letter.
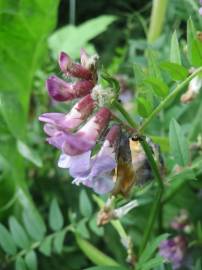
x: 62, y: 91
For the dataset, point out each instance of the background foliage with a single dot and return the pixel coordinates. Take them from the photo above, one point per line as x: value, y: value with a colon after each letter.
x: 46, y: 222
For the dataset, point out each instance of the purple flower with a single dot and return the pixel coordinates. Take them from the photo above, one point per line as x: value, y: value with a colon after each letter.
x: 85, y: 138
x: 74, y: 118
x: 200, y: 11
x: 61, y: 90
x: 173, y: 250
x: 96, y: 172
x: 69, y: 68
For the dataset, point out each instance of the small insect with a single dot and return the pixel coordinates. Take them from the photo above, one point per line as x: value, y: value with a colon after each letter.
x: 133, y: 166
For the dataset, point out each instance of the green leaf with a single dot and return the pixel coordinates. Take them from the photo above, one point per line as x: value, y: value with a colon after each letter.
x: 95, y: 255
x: 82, y: 228
x: 46, y: 246
x: 20, y: 264
x: 176, y: 71
x: 194, y: 45
x: 6, y: 241
x: 72, y: 38
x: 31, y: 260
x: 85, y: 204
x: 18, y: 233
x: 175, y: 50
x: 151, y: 264
x: 198, y: 265
x: 154, y: 70
x: 22, y: 52
x: 29, y: 153
x: 94, y: 227
x: 34, y: 225
x: 56, y: 220
x: 158, y: 86
x: 163, y: 142
x: 178, y: 144
x: 178, y: 180
x: 144, y: 106
x: 12, y: 112
x: 58, y: 241
x: 150, y: 249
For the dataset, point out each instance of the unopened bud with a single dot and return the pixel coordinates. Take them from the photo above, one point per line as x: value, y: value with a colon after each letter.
x: 193, y: 90
x: 107, y: 214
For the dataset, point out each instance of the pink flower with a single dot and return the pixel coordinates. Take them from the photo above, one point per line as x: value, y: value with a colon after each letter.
x: 70, y: 68
x: 85, y: 138
x: 173, y: 250
x: 61, y: 90
x: 74, y: 118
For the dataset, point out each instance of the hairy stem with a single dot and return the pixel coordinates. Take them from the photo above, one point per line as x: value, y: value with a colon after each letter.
x: 125, y: 114
x: 173, y: 94
x: 157, y: 19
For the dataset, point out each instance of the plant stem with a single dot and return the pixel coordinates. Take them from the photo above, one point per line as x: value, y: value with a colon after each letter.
x: 162, y: 105
x: 125, y: 114
x: 157, y: 19
x: 151, y: 221
x: 157, y: 203
x: 37, y: 244
x: 152, y: 162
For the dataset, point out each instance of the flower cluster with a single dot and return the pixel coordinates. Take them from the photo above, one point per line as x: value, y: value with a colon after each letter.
x: 173, y: 250
x: 77, y: 132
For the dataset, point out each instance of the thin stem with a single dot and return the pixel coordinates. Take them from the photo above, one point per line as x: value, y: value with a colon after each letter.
x: 37, y: 244
x: 125, y: 114
x: 157, y: 19
x: 169, y: 98
x: 151, y: 221
x: 152, y: 162
x: 157, y: 203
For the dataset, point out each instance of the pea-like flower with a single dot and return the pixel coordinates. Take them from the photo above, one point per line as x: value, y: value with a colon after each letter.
x: 95, y: 172
x: 85, y: 138
x: 173, y: 250
x: 80, y: 112
x: 70, y: 68
x: 61, y: 90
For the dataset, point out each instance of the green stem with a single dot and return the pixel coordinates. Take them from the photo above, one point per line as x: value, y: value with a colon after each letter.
x: 152, y: 162
x: 37, y: 244
x: 125, y: 114
x: 151, y: 221
x: 168, y: 99
x: 157, y: 203
x: 157, y: 19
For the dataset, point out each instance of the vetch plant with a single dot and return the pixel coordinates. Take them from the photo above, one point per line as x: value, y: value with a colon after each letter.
x: 98, y: 139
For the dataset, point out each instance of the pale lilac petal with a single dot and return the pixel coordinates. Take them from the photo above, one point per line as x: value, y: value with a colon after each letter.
x: 51, y: 130
x: 80, y: 164
x: 64, y: 161
x: 102, y: 165
x: 57, y: 140
x: 103, y: 184
x: 76, y: 144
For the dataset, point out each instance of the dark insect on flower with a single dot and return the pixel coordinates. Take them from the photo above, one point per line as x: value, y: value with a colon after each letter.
x: 124, y: 176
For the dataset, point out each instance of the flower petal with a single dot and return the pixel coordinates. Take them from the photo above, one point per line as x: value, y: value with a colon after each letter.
x: 70, y: 68
x: 60, y: 90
